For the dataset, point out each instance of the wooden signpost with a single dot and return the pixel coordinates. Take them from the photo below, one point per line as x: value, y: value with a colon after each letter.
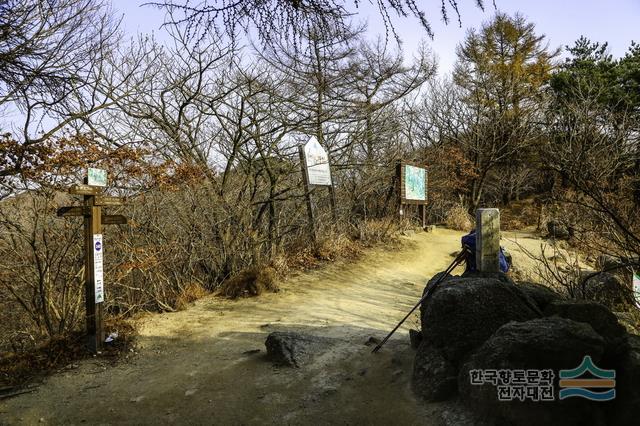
x: 413, y: 183
x: 91, y: 210
x: 316, y: 171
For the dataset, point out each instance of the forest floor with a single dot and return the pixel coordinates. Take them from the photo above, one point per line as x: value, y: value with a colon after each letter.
x: 200, y: 365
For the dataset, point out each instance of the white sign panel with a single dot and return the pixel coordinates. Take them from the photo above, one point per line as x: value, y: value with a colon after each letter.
x: 317, y: 159
x: 636, y: 288
x: 96, y: 177
x: 98, y: 271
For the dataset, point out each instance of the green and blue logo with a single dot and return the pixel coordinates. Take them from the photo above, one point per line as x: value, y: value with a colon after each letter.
x: 572, y: 385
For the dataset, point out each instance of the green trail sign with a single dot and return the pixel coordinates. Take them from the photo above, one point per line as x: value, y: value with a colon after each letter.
x: 96, y: 177
x: 411, y: 183
x: 415, y: 183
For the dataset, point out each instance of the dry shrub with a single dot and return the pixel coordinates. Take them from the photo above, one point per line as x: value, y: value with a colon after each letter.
x: 337, y: 247
x: 459, y: 219
x: 305, y: 258
x: 57, y: 352
x: 189, y: 294
x: 328, y: 248
x: 60, y: 352
x: 249, y: 282
x: 520, y: 214
x: 280, y: 263
x: 376, y: 231
x: 630, y: 320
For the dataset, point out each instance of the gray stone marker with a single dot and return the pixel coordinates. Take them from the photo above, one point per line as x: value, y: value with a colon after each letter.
x: 488, y: 240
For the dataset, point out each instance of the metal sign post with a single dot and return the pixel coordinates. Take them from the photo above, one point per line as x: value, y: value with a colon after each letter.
x: 316, y: 171
x: 91, y: 210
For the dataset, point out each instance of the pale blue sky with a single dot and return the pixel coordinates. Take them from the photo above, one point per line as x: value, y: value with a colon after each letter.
x: 562, y: 21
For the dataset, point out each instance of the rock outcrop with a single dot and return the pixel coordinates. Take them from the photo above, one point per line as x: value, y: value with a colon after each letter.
x: 292, y: 349
x: 486, y: 322
x: 542, y: 344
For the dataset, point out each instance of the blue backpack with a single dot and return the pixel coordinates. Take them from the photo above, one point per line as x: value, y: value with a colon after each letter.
x: 469, y: 241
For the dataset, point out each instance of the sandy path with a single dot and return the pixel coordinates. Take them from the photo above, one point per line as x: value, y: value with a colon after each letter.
x: 191, y: 367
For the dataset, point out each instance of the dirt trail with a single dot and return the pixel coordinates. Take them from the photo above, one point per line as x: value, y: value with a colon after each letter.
x: 191, y: 367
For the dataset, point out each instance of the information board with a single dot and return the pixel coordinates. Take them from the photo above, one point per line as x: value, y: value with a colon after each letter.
x: 317, y: 159
x: 415, y: 183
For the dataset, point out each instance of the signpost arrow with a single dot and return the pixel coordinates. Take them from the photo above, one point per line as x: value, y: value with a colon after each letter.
x: 114, y: 219
x: 100, y: 200
x: 81, y: 189
x: 71, y: 211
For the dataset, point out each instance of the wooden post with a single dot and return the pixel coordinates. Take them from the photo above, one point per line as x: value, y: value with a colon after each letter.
x: 422, y: 211
x: 399, y: 177
x: 307, y: 192
x: 488, y: 240
x: 332, y: 193
x: 92, y: 226
x: 91, y: 210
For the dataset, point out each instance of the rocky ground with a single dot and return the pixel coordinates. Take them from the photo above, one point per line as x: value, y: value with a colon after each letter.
x: 208, y: 364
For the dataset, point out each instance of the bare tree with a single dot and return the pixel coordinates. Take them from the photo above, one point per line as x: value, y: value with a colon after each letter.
x: 54, y: 57
x: 288, y: 19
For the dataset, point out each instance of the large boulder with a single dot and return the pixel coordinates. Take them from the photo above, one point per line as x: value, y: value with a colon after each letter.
x: 609, y: 262
x: 464, y: 311
x: 547, y: 343
x: 434, y: 378
x: 626, y: 407
x: 540, y: 294
x: 605, y: 288
x: 559, y: 230
x: 602, y: 320
x: 291, y: 349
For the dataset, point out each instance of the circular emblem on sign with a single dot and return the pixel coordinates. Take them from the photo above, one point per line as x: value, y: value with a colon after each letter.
x: 98, y: 246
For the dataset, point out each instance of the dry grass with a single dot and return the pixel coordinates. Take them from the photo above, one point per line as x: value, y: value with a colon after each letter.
x: 190, y: 293
x: 17, y: 369
x: 378, y: 230
x: 459, y: 219
x: 250, y: 282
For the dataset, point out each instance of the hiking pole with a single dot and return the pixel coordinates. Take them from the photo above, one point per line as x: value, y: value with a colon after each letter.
x: 459, y: 258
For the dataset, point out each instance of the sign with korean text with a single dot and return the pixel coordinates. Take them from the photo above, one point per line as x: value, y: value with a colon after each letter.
x: 96, y: 177
x: 98, y: 269
x: 317, y: 159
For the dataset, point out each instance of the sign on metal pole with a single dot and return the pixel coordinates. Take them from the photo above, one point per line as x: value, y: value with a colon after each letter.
x: 96, y: 177
x: 317, y: 162
x: 636, y: 287
x: 98, y: 270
